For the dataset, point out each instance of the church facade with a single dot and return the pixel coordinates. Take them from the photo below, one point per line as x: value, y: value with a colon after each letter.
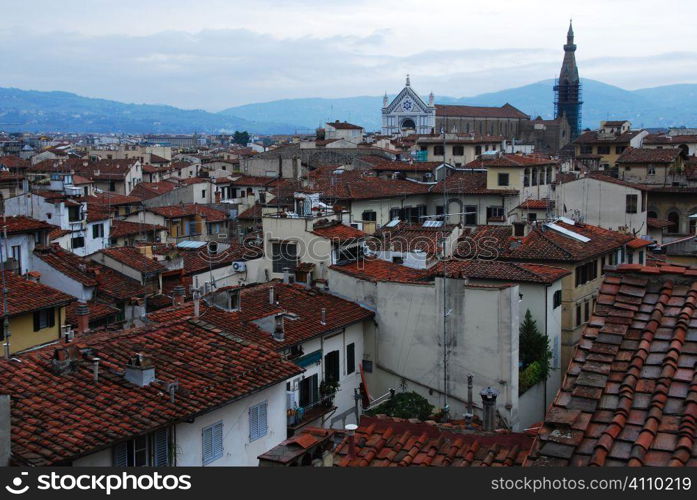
x: 408, y: 113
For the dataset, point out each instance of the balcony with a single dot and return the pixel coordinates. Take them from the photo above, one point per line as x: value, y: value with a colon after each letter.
x: 302, y: 416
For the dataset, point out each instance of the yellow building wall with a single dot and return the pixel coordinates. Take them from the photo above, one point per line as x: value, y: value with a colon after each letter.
x: 515, y: 178
x: 23, y: 336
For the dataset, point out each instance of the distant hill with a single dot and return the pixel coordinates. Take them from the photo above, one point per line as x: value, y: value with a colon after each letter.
x: 665, y: 106
x: 28, y: 110
x: 34, y: 111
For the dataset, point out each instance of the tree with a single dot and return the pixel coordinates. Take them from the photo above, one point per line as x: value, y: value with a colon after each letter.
x: 533, y: 346
x: 241, y: 138
x: 405, y: 405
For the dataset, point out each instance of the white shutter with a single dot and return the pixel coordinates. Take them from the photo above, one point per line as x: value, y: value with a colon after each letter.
x: 218, y: 440
x: 262, y: 419
x: 160, y: 448
x: 120, y: 452
x: 253, y: 423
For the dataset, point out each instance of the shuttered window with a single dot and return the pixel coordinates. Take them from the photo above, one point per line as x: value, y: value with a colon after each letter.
x: 350, y: 358
x: 147, y: 450
x: 160, y: 448
x: 257, y: 421
x: 212, y: 442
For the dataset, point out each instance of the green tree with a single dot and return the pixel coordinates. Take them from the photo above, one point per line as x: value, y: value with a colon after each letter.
x: 533, y: 347
x: 405, y: 405
x: 241, y: 138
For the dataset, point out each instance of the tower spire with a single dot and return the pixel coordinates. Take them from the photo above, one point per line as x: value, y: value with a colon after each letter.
x: 408, y: 84
x: 567, y: 100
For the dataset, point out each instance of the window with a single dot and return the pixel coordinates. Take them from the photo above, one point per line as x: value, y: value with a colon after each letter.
x: 284, y: 255
x: 526, y: 177
x: 477, y: 150
x: 503, y: 179
x: 603, y: 150
x: 149, y: 450
x: 98, y: 231
x: 586, y: 149
x: 308, y: 391
x: 46, y: 318
x: 494, y: 213
x: 548, y: 175
x: 674, y: 219
x: 73, y: 214
x: 77, y: 242
x: 587, y: 272
x: 458, y: 150
x: 578, y: 315
x: 331, y: 366
x: 398, y: 260
x: 438, y: 150
x: 470, y: 215
x: 17, y: 256
x: 632, y: 203
x: 203, y: 193
x: 112, y: 186
x: 586, y: 311
x: 532, y: 217
x: 556, y: 299
x: 369, y: 215
x: 534, y: 177
x: 620, y: 149
x: 212, y: 442
x: 258, y: 426
x: 350, y: 358
x: 651, y: 170
x: 396, y: 213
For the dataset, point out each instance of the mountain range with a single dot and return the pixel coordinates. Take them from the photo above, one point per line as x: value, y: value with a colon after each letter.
x: 36, y: 111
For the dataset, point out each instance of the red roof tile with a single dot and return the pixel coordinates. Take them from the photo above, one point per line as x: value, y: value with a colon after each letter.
x: 630, y: 392
x: 534, y: 205
x: 649, y: 155
x: 391, y: 442
x: 512, y: 160
x: 148, y: 190
x: 133, y: 258
x: 344, y: 125
x: 375, y: 270
x: 515, y: 272
x: 189, y: 209
x: 121, y: 228
x: 18, y: 224
x: 336, y: 231
x: 469, y: 183
x: 25, y: 296
x: 68, y: 264
x: 505, y: 111
x: 59, y: 417
x: 97, y: 311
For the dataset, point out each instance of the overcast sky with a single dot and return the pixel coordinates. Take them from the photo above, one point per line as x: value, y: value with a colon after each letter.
x: 212, y: 54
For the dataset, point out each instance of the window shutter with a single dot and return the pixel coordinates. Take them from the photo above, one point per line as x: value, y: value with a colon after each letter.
x: 120, y: 455
x: 253, y: 423
x: 218, y: 440
x: 160, y: 448
x: 37, y: 321
x: 51, y: 317
x: 207, y: 444
x: 262, y: 420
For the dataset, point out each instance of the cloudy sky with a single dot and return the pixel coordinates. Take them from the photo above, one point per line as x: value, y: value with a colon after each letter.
x: 212, y: 54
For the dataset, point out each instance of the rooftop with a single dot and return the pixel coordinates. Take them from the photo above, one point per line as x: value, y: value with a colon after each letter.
x: 133, y: 258
x: 375, y: 270
x: 505, y: 111
x: 649, y: 155
x: 630, y: 393
x: 26, y: 296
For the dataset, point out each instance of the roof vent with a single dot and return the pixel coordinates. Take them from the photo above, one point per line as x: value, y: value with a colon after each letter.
x: 279, y: 331
x: 140, y: 370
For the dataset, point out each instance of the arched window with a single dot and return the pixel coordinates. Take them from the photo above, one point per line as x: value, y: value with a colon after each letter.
x: 674, y: 218
x: 651, y: 214
x: 408, y: 124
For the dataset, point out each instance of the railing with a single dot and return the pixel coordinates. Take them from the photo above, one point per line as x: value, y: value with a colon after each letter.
x: 305, y: 414
x: 379, y: 400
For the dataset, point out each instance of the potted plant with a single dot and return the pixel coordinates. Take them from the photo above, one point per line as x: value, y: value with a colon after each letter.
x: 327, y: 390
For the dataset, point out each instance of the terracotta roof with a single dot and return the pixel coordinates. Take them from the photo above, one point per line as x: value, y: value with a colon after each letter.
x: 469, y: 183
x: 157, y: 159
x: 97, y: 311
x: 337, y: 232
x: 514, y: 272
x: 406, y: 237
x: 68, y: 264
x: 59, y: 417
x: 505, y: 111
x: 547, y: 245
x: 392, y: 442
x: 112, y: 199
x: 26, y: 296
x: 402, y: 166
x: 121, y: 228
x: 14, y: 162
x: 133, y: 258
x: 343, y: 125
x: 511, y: 160
x: 670, y: 139
x: 374, y: 270
x: 114, y: 285
x: 305, y: 303
x: 594, y: 137
x: 253, y: 212
x: 148, y: 190
x: 187, y: 210
x: 534, y: 205
x: 658, y: 223
x: 249, y: 180
x: 649, y: 155
x: 638, y: 243
x: 470, y: 138
x: 17, y: 224
x: 630, y: 394
x: 355, y: 185
x: 107, y: 169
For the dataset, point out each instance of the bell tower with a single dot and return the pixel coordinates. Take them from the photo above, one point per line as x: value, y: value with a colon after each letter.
x: 567, y: 90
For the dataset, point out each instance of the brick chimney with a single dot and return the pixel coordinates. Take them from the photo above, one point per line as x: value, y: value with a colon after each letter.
x: 83, y: 318
x: 489, y: 396
x: 178, y: 295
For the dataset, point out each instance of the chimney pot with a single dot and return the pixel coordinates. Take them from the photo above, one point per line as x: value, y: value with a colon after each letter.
x: 286, y: 275
x: 351, y: 431
x: 324, y: 316
x: 140, y: 370
x: 489, y: 396
x: 272, y: 298
x: 178, y: 295
x: 279, y: 332
x: 82, y: 311
x: 95, y: 369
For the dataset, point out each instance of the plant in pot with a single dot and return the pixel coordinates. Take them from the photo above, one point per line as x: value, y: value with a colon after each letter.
x: 327, y: 390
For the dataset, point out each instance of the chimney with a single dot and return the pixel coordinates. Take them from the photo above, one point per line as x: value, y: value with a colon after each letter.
x: 178, y: 295
x: 140, y: 370
x: 279, y: 332
x: 286, y: 275
x: 489, y: 396
x: 83, y: 318
x: 5, y: 430
x: 324, y: 316
x: 470, y: 403
x: 197, y: 303
x: 351, y: 432
x: 95, y: 369
x: 272, y: 296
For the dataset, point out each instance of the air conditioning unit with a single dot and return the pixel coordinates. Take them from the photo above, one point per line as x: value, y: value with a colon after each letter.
x: 239, y: 266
